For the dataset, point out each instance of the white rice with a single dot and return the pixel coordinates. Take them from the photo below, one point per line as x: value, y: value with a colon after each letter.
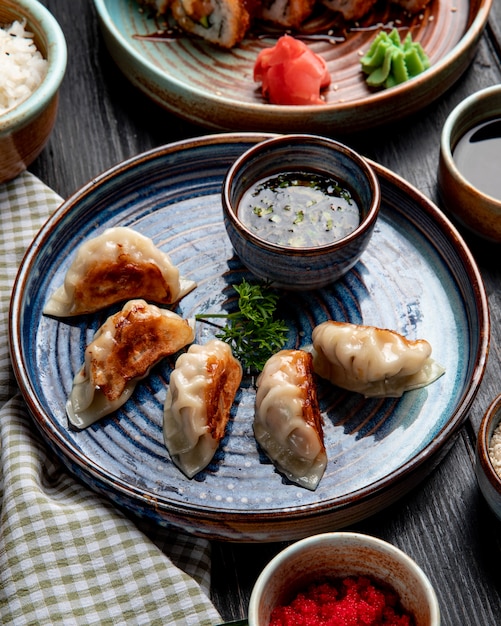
x: 22, y: 67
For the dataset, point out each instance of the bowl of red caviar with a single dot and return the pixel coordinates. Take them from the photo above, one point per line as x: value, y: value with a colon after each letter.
x: 343, y: 578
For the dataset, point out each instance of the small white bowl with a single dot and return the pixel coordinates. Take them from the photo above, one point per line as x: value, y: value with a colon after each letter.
x: 25, y: 129
x: 338, y: 555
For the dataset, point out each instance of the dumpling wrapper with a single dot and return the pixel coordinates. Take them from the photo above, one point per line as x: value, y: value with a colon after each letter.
x: 197, y: 407
x: 118, y: 265
x: 288, y: 424
x: 122, y: 352
x: 375, y: 362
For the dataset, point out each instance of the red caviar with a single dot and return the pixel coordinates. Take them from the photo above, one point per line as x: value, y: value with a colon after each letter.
x: 352, y: 601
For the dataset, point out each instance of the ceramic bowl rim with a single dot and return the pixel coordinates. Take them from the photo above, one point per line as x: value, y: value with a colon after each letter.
x: 57, y: 59
x: 460, y: 111
x: 484, y: 435
x: 297, y: 138
x: 343, y: 538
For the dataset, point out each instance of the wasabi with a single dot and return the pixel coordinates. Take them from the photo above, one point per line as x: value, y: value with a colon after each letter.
x: 390, y: 61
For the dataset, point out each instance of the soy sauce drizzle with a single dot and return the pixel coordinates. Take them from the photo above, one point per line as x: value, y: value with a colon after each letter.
x: 323, y: 26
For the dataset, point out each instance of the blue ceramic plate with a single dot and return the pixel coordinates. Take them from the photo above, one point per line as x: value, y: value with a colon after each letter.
x: 215, y: 88
x: 416, y: 277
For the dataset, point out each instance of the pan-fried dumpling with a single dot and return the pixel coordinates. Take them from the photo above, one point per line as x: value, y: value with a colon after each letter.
x: 375, y: 362
x: 118, y: 265
x: 197, y: 408
x: 288, y: 423
x: 122, y: 352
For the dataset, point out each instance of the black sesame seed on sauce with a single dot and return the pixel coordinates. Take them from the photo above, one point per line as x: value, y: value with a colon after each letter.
x: 299, y: 209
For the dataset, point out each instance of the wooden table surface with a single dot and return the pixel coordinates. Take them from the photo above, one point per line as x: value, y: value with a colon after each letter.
x: 444, y: 524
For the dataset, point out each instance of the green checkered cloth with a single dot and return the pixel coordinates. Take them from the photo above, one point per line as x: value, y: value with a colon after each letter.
x: 67, y: 555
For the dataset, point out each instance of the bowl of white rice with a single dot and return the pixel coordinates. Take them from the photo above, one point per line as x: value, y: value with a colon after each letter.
x: 33, y: 59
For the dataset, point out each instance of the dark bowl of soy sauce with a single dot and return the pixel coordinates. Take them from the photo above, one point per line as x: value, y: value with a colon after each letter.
x: 469, y: 172
x: 300, y: 209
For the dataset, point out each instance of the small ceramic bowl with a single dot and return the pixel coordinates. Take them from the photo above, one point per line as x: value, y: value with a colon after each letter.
x: 338, y: 555
x: 475, y: 209
x: 488, y: 479
x: 25, y: 129
x: 301, y: 268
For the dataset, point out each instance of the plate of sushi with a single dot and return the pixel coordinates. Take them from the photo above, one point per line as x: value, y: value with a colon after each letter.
x: 117, y: 346
x: 203, y: 69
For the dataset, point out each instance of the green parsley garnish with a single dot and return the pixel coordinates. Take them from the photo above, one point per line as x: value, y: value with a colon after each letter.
x: 252, y: 332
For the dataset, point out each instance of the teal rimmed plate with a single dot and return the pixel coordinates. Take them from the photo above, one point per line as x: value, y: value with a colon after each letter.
x: 215, y: 88
x: 416, y: 276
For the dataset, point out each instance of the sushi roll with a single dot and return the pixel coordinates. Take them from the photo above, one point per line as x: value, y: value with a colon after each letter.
x: 350, y: 9
x: 412, y: 6
x: 285, y: 13
x: 160, y: 7
x: 221, y: 22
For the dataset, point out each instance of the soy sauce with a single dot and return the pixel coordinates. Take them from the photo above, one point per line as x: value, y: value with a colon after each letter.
x: 478, y: 157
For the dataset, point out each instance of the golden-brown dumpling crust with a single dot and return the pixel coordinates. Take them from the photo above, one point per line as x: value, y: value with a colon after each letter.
x: 225, y: 375
x: 142, y: 337
x: 303, y: 364
x: 124, y: 279
x: 197, y: 408
x: 118, y: 265
x: 288, y: 424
